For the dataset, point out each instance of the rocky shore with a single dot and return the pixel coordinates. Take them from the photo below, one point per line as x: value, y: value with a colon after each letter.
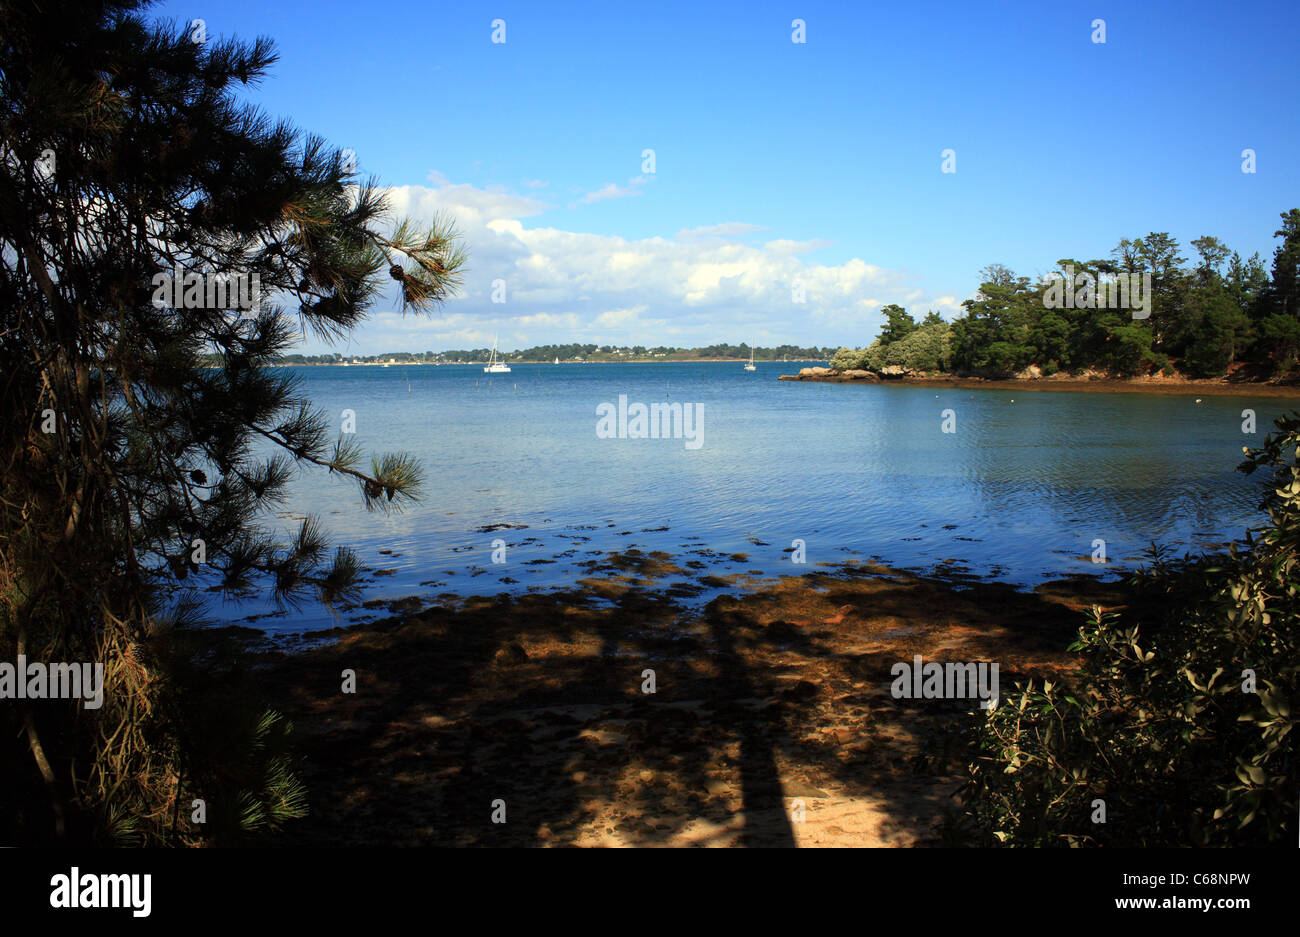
x: 1033, y: 380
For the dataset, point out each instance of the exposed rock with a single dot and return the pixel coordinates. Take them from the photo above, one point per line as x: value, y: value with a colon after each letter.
x: 830, y: 374
x: 802, y: 690
x: 842, y: 735
x: 512, y: 653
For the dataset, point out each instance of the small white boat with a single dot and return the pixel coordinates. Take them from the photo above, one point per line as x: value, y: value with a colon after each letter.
x: 557, y: 360
x: 750, y: 366
x: 494, y: 366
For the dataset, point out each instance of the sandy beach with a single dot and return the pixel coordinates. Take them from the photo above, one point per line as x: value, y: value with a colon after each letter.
x: 771, y: 724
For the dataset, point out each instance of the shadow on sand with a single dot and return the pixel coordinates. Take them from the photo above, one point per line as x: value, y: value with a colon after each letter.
x: 771, y: 723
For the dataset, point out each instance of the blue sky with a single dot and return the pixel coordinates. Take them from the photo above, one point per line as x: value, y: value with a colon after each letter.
x: 775, y: 162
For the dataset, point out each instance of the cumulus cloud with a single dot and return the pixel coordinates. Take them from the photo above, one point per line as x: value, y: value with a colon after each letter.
x: 621, y: 318
x: 471, y: 206
x: 696, y: 287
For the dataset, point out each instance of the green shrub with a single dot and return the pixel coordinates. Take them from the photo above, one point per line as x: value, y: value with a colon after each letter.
x: 845, y: 359
x: 1161, y: 724
x: 925, y: 348
x: 860, y: 359
x: 928, y: 348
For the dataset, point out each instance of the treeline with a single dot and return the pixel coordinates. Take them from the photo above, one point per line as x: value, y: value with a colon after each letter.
x: 566, y: 352
x: 763, y: 354
x: 1219, y: 314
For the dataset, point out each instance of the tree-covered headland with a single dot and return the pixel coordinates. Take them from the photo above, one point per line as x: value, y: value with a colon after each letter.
x: 1214, y: 315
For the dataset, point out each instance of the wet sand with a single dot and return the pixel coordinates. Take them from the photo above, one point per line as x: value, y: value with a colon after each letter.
x: 772, y: 723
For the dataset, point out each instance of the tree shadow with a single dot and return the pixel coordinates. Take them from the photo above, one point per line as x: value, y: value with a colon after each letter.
x: 771, y: 723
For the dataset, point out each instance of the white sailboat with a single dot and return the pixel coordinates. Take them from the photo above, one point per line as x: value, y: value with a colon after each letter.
x: 750, y: 366
x: 557, y: 360
x: 494, y: 366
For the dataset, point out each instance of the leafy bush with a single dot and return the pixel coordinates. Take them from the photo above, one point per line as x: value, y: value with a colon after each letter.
x: 924, y: 348
x: 1179, y: 722
x: 859, y: 359
x: 846, y: 359
x: 927, y: 348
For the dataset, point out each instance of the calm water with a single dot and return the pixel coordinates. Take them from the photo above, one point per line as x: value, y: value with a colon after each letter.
x: 1018, y: 492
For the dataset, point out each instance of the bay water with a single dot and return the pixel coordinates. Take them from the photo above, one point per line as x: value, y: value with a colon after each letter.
x: 1021, y: 491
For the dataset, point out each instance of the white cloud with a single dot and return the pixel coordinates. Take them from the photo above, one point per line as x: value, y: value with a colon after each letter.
x: 471, y: 206
x: 619, y: 318
x: 611, y: 191
x: 608, y: 191
x: 696, y: 287
x: 726, y: 229
x: 796, y: 247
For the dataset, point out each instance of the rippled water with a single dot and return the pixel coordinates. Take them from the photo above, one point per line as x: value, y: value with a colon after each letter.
x: 1020, y: 491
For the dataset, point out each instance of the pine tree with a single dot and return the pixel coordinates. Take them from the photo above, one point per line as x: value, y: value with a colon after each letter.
x: 1279, y: 328
x: 129, y: 470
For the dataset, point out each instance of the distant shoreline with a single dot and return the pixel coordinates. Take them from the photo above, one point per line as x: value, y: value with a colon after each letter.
x: 395, y: 364
x: 1208, y: 387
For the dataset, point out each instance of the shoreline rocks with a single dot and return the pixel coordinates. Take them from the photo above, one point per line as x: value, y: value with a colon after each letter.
x: 832, y: 376
x: 1034, y: 379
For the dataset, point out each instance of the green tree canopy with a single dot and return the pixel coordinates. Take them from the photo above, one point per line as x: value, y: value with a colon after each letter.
x: 898, y: 323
